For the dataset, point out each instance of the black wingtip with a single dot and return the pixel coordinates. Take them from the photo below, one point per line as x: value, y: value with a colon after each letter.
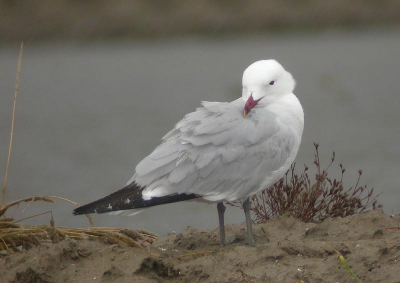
x: 84, y: 209
x: 130, y: 197
x: 126, y: 198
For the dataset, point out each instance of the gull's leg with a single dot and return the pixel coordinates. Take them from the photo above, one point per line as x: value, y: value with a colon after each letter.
x: 246, y: 208
x: 221, y: 210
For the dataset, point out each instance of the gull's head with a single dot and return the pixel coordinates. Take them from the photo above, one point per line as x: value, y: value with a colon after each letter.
x: 263, y: 82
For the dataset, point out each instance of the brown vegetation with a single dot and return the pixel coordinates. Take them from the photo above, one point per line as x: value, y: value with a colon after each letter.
x: 313, y: 202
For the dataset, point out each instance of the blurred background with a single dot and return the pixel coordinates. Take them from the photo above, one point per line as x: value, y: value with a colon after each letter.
x: 103, y: 81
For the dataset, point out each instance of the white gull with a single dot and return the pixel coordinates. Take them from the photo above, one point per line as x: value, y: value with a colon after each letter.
x: 221, y: 152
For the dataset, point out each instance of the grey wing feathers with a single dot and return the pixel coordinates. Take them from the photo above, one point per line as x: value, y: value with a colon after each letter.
x: 213, y: 152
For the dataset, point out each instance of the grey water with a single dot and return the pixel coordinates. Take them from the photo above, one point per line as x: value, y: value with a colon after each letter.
x: 88, y: 113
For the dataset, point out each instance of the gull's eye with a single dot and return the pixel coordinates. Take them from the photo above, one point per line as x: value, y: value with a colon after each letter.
x: 271, y: 82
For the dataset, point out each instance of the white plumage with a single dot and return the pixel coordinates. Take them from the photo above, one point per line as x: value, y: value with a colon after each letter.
x: 224, y: 151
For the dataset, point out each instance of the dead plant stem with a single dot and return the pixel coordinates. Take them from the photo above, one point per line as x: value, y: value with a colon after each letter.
x: 3, y: 195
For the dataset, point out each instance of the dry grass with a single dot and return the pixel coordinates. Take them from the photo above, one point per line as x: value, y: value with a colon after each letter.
x: 312, y: 201
x: 19, y: 68
x: 15, y: 237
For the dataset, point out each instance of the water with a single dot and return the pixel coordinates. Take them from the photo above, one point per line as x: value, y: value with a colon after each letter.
x: 87, y: 114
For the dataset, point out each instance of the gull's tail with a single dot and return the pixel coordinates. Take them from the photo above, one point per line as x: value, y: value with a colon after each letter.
x: 130, y: 197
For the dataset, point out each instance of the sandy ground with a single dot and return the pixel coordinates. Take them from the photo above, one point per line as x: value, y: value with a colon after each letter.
x: 287, y: 250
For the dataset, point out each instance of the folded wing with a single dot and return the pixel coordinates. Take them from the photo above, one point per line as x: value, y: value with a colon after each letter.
x: 215, y: 153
